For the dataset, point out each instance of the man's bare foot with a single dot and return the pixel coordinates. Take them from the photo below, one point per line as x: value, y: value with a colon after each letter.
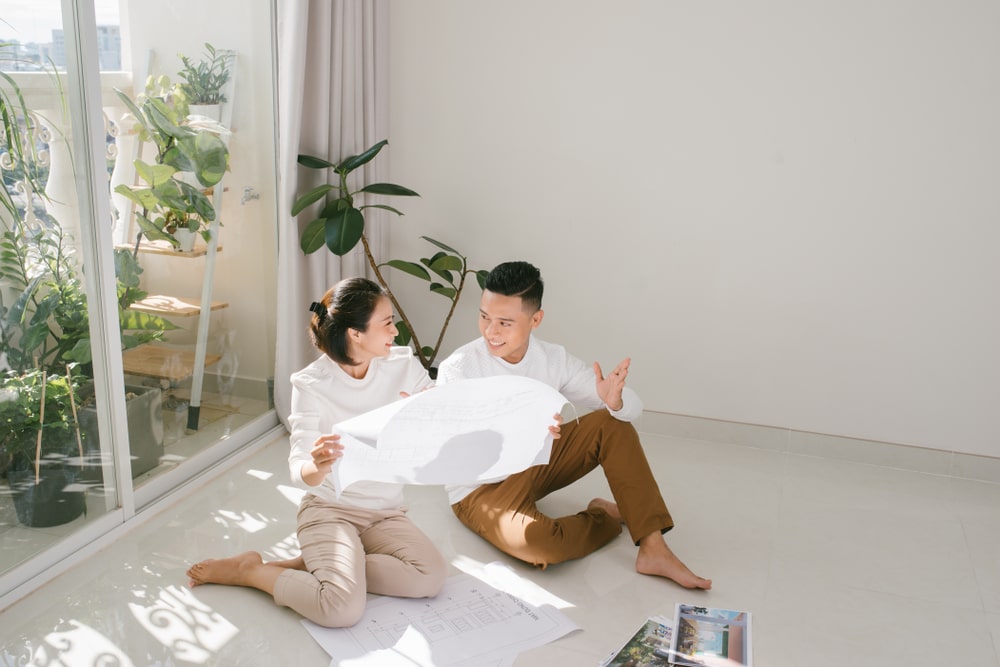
x: 656, y: 559
x: 608, y: 506
x: 227, y: 571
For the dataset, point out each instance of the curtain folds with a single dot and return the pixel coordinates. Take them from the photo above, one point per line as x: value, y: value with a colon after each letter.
x: 332, y: 90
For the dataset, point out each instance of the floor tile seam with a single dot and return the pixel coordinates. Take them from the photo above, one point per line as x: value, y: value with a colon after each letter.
x: 972, y: 564
x: 916, y: 598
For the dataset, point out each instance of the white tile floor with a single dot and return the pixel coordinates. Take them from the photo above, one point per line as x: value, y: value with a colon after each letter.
x: 840, y: 564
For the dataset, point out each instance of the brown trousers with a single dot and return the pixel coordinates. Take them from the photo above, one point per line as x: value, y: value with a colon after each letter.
x: 505, y: 513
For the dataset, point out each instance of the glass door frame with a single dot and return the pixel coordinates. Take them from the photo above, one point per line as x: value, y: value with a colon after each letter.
x: 84, y: 98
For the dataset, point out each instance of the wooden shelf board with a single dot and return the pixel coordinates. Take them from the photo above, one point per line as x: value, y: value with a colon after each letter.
x: 173, y: 306
x: 163, y: 362
x: 164, y: 248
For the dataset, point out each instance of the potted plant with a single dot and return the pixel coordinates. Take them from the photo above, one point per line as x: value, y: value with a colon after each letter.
x: 41, y: 446
x: 340, y: 224
x: 47, y: 326
x: 204, y: 81
x: 190, y: 158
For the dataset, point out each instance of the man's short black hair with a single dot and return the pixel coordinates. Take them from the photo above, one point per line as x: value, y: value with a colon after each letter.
x: 517, y: 279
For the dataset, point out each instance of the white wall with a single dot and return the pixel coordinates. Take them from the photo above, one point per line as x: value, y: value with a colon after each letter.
x: 786, y: 213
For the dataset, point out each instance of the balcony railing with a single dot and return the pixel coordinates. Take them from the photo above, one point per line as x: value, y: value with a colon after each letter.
x: 50, y: 129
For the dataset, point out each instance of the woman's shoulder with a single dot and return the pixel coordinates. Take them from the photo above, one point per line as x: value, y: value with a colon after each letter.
x: 317, y: 371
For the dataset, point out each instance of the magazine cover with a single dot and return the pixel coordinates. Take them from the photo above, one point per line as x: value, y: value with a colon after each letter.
x: 707, y: 637
x: 649, y: 647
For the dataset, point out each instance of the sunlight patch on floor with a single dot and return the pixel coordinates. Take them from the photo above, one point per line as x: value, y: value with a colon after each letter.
x: 503, y: 578
x: 184, y: 624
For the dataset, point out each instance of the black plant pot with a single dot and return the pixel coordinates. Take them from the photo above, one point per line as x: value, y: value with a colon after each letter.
x: 49, y: 501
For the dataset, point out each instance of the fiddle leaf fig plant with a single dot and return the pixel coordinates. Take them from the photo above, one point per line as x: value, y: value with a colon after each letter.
x: 340, y: 225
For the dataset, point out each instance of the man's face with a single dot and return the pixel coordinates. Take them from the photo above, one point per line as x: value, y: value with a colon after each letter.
x: 505, y: 326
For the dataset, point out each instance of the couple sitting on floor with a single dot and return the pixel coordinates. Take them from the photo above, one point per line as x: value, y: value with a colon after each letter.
x: 363, y: 542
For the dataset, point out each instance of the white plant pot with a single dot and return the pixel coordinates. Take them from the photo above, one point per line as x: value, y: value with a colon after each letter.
x: 213, y: 111
x: 186, y: 238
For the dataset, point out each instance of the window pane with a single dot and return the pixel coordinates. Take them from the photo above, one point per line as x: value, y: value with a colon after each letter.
x: 213, y: 288
x: 54, y: 472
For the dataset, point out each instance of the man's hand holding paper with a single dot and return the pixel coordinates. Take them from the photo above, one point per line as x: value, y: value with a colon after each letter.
x: 467, y: 432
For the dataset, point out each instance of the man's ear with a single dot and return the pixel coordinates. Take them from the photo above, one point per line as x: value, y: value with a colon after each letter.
x: 536, y: 319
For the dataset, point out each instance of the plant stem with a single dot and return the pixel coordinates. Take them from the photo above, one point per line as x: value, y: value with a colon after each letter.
x: 399, y: 309
x: 451, y: 311
x: 41, y: 424
x: 72, y: 405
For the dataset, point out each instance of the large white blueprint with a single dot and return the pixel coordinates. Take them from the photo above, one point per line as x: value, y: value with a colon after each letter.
x: 466, y: 432
x: 469, y: 623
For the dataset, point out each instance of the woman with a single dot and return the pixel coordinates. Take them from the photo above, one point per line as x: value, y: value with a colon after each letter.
x: 362, y: 542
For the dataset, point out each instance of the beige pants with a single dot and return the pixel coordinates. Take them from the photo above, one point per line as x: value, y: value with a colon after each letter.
x: 349, y: 552
x: 505, y: 514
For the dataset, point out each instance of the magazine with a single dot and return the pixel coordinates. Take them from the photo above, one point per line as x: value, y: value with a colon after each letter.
x: 649, y: 647
x: 707, y: 637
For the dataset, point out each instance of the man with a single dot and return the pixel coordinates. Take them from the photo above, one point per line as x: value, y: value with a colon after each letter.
x: 504, y: 513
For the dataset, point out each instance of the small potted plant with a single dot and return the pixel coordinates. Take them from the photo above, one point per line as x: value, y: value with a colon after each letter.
x: 204, y: 81
x: 41, y: 446
x: 190, y: 158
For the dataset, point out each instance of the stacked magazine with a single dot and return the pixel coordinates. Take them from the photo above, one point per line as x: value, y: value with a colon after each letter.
x: 697, y: 637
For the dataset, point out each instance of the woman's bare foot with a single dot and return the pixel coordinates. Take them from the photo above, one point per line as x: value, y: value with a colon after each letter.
x: 608, y: 506
x: 226, y: 571
x: 656, y: 559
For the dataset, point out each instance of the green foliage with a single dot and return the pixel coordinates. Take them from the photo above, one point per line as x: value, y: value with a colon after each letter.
x: 186, y: 152
x: 21, y: 153
x: 22, y: 415
x: 340, y: 225
x: 47, y: 324
x: 205, y: 79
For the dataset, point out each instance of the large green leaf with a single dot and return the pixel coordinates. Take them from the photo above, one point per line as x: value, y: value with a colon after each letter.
x: 154, y: 174
x: 383, y: 207
x: 412, y: 268
x: 163, y: 118
x: 130, y: 105
x: 443, y: 290
x: 351, y: 163
x: 144, y: 197
x: 403, y: 335
x: 208, y: 156
x: 441, y: 245
x: 344, y: 230
x: 310, y: 198
x: 447, y: 263
x: 153, y: 232
x: 313, y: 162
x: 314, y: 236
x: 388, y: 189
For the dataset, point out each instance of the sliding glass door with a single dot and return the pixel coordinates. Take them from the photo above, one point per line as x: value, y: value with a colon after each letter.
x: 137, y: 262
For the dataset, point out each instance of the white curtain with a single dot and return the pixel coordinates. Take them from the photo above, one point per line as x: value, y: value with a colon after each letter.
x: 332, y: 89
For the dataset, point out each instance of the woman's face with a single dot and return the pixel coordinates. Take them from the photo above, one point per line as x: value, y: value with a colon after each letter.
x: 363, y: 346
